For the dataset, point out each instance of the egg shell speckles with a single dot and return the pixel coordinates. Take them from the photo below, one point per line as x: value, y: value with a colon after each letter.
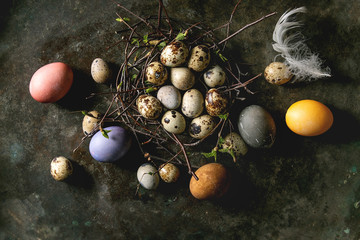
x: 60, y: 168
x: 169, y: 96
x: 173, y: 122
x: 147, y: 176
x: 182, y: 78
x: 234, y: 142
x: 202, y: 126
x: 156, y: 73
x: 277, y: 73
x: 199, y: 58
x: 90, y: 121
x: 51, y: 82
x: 174, y: 54
x: 100, y: 71
x: 215, y: 76
x: 216, y: 103
x: 192, y: 103
x: 148, y: 106
x: 169, y: 173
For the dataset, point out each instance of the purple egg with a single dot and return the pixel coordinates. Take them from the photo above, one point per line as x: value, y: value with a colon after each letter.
x: 110, y: 149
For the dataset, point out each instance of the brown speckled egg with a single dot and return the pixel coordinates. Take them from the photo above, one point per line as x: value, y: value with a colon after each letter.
x: 199, y: 58
x: 234, y: 142
x: 277, y: 73
x: 156, y: 73
x: 90, y: 121
x: 174, y: 54
x: 192, y: 103
x: 213, y: 183
x: 216, y: 103
x: 182, y: 78
x: 201, y: 127
x: 60, y: 168
x: 173, y: 122
x: 100, y: 71
x: 169, y: 173
x: 215, y: 76
x: 148, y: 106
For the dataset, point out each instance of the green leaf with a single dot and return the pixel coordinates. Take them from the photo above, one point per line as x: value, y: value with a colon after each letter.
x: 229, y: 151
x: 150, y: 89
x: 224, y: 116
x: 133, y: 77
x: 180, y: 36
x: 221, y: 141
x: 145, y: 39
x: 84, y: 113
x: 213, y: 154
x: 126, y: 19
x: 161, y: 45
x: 223, y: 58
x: 135, y: 41
x: 105, y: 133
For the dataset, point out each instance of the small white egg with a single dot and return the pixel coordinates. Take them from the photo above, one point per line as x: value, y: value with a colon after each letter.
x: 199, y: 58
x: 60, y: 168
x: 202, y: 126
x: 169, y: 173
x: 277, y: 73
x: 156, y: 73
x: 147, y: 176
x: 169, y: 96
x: 90, y: 122
x: 215, y: 76
x: 216, y: 103
x: 182, y: 78
x: 174, y: 54
x: 192, y: 103
x: 234, y: 142
x: 100, y: 71
x: 173, y: 122
x: 148, y: 106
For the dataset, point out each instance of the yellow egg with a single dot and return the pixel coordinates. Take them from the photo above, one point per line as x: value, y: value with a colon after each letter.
x: 309, y: 118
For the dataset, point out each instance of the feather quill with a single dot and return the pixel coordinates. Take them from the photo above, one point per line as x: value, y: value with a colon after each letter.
x: 302, y: 62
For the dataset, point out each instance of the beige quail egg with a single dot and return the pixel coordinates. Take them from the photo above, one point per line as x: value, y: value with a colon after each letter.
x: 100, y: 71
x: 60, y: 168
x: 156, y: 73
x: 169, y: 173
x: 234, y: 142
x: 202, y: 126
x: 90, y: 122
x: 147, y: 176
x: 215, y: 76
x: 169, y: 96
x: 216, y: 103
x: 182, y: 78
x: 173, y: 122
x: 174, y: 54
x: 277, y: 73
x: 199, y: 58
x: 192, y: 103
x: 148, y: 106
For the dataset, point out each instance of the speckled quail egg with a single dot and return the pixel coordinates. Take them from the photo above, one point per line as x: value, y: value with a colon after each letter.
x: 216, y: 103
x: 60, y: 168
x: 199, y: 58
x: 192, y: 103
x: 234, y: 142
x: 182, y: 78
x: 90, y: 122
x: 201, y: 127
x: 174, y: 54
x: 215, y: 76
x: 100, y: 70
x: 169, y: 96
x: 169, y: 173
x: 147, y: 176
x: 277, y: 73
x: 148, y: 106
x: 173, y: 122
x: 156, y: 73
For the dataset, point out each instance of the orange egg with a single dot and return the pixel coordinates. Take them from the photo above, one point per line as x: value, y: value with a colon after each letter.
x: 309, y: 118
x: 51, y: 82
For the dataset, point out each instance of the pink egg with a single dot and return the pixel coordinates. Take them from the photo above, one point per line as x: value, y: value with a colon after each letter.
x: 51, y: 82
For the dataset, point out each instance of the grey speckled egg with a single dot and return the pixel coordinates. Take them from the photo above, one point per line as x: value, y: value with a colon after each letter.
x: 156, y: 73
x: 174, y: 54
x: 257, y: 127
x: 148, y: 106
x: 169, y: 96
x: 216, y: 103
x: 199, y: 58
x: 182, y: 78
x: 100, y: 71
x: 173, y: 122
x: 147, y: 176
x: 215, y: 76
x: 234, y: 141
x: 277, y: 73
x: 192, y: 103
x: 90, y: 121
x: 202, y: 126
x: 60, y: 168
x: 169, y: 173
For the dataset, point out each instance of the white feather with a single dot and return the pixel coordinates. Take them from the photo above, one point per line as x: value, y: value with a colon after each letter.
x: 304, y: 64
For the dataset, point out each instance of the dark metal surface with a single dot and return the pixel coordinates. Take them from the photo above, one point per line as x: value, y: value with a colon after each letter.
x: 301, y: 188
